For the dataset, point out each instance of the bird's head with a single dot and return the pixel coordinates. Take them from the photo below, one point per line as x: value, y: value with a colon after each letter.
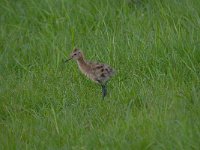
x: 76, y: 54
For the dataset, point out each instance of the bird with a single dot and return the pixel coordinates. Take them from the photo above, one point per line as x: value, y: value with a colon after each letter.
x: 95, y: 71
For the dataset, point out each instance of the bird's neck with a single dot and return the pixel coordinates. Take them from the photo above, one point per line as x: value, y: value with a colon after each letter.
x: 81, y: 62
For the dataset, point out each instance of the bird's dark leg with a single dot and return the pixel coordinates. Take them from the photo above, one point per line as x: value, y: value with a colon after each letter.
x: 104, y: 90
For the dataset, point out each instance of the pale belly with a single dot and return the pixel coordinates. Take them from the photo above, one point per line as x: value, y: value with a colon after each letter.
x: 88, y: 74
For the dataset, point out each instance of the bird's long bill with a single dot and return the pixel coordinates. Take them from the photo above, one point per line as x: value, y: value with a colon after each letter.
x: 68, y: 60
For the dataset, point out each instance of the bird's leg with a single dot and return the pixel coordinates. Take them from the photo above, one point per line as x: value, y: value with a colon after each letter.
x: 104, y: 90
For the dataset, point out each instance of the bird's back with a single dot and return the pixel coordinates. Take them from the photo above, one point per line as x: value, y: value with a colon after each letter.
x: 101, y: 73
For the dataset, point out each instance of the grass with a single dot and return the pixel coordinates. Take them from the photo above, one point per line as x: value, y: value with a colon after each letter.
x: 153, y: 101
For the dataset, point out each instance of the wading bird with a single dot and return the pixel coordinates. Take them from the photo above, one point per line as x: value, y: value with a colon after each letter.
x: 99, y: 73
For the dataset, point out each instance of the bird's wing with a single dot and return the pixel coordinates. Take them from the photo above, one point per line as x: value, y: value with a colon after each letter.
x: 102, y: 72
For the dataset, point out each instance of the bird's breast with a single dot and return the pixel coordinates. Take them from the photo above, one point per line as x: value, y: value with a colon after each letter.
x: 87, y: 71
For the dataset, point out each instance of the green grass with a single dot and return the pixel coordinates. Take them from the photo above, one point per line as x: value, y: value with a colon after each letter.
x: 153, y: 101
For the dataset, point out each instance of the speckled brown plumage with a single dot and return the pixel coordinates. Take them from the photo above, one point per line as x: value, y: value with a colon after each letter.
x: 97, y: 72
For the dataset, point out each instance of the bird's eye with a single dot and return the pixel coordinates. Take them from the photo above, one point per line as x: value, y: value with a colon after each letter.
x: 74, y: 54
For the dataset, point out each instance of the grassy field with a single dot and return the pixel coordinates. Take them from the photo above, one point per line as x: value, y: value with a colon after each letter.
x: 153, y: 101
